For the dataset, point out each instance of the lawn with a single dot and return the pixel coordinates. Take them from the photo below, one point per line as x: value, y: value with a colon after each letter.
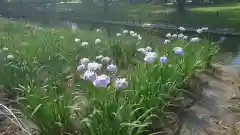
x: 235, y: 6
x: 69, y: 81
x: 223, y: 16
x: 219, y: 16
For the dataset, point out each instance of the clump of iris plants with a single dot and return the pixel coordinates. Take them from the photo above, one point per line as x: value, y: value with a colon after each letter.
x: 87, y: 83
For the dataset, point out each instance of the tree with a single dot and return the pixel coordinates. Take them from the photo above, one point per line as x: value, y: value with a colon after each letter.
x: 3, y: 6
x: 197, y: 2
x: 87, y: 2
x: 181, y: 5
x: 105, y: 4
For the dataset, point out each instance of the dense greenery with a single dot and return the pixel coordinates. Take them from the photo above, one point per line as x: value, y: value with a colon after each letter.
x: 65, y: 89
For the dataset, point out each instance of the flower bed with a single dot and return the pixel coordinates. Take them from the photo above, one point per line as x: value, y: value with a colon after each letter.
x: 83, y: 82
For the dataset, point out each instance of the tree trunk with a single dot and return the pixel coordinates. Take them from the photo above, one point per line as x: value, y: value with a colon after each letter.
x: 196, y: 2
x: 87, y: 2
x: 105, y: 6
x: 3, y: 7
x: 181, y: 6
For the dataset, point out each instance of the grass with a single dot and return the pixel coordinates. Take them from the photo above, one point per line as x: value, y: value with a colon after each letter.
x: 218, y: 16
x: 40, y: 66
x: 223, y: 16
x: 217, y: 7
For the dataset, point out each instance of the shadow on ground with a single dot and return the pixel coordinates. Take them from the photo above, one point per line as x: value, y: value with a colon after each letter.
x: 217, y: 107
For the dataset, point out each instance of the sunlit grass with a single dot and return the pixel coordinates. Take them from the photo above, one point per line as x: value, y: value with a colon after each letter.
x: 235, y: 6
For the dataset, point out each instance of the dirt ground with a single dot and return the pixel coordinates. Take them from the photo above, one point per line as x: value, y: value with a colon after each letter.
x: 217, y: 107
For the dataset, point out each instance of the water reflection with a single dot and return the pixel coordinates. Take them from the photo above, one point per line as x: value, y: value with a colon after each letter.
x: 222, y: 39
x: 236, y: 60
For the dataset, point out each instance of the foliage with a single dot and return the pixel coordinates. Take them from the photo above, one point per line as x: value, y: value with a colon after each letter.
x: 37, y: 62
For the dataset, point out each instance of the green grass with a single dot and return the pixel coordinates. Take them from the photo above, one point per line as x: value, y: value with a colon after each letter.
x: 43, y: 59
x: 218, y: 8
x: 228, y: 16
